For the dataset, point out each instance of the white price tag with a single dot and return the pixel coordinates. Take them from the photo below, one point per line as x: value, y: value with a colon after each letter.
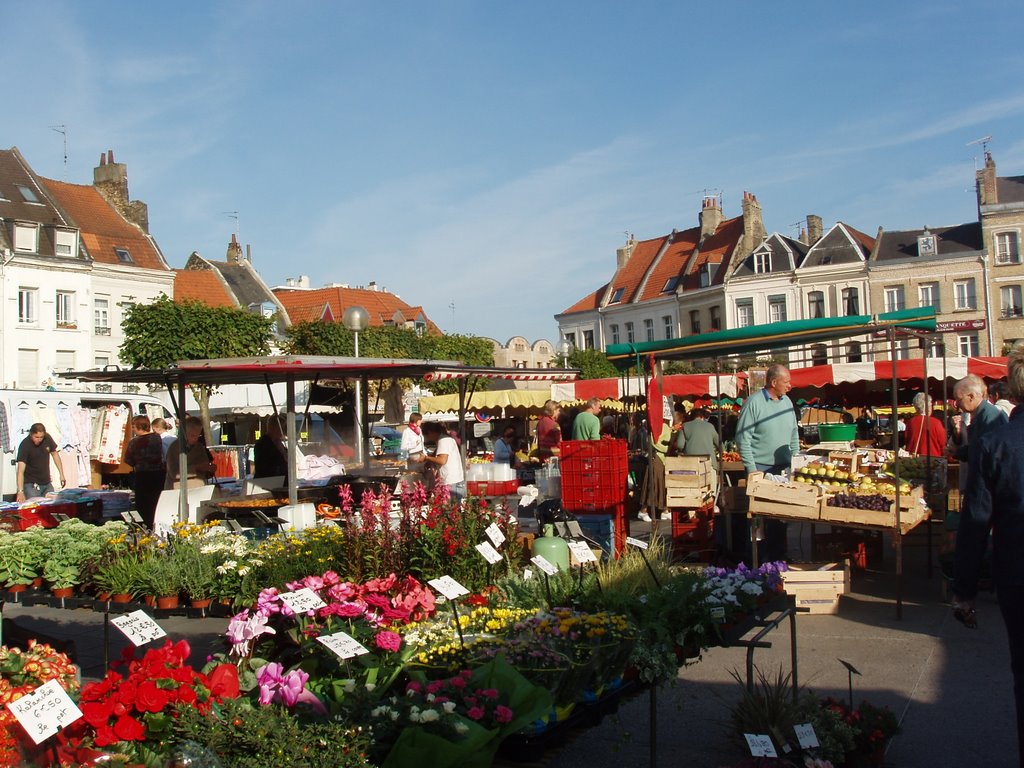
x: 495, y: 535
x: 582, y: 552
x: 45, y: 711
x: 527, y: 574
x: 544, y: 564
x: 760, y: 745
x: 343, y: 644
x: 139, y: 627
x: 302, y: 600
x: 636, y: 543
x: 448, y: 587
x: 806, y: 736
x: 718, y: 613
x: 490, y: 554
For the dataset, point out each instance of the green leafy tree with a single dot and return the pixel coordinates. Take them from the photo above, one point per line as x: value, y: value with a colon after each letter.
x: 163, y: 332
x: 592, y: 364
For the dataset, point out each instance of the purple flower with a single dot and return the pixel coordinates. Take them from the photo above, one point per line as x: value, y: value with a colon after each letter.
x: 269, y: 679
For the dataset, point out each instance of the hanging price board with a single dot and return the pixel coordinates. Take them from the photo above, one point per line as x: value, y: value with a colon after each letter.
x: 448, y: 587
x: 302, y: 600
x: 544, y: 564
x: 45, y: 711
x: 582, y: 552
x: 343, y: 644
x: 139, y: 627
x: 489, y: 553
x: 495, y: 535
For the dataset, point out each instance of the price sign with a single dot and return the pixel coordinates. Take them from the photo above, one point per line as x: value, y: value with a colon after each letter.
x: 302, y: 600
x: 806, y: 736
x: 343, y: 644
x: 490, y: 554
x: 544, y: 564
x: 45, y: 711
x: 582, y: 552
x: 495, y: 535
x: 527, y: 574
x: 448, y: 587
x: 139, y: 627
x: 718, y: 613
x: 760, y: 745
x: 636, y: 543
x: 127, y: 517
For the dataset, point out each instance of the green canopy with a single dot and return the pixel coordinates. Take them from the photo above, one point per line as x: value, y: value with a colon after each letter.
x: 754, y: 338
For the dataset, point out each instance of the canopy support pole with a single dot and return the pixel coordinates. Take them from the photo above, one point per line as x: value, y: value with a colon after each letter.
x: 293, y: 483
x: 897, y: 535
x: 183, y: 457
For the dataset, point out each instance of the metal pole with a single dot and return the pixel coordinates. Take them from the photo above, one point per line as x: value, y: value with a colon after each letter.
x: 291, y: 434
x: 896, y: 471
x: 357, y: 416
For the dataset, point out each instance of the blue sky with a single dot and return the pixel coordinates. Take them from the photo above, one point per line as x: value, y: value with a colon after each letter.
x: 494, y: 155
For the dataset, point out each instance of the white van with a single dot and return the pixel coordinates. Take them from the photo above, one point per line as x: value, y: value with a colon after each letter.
x: 91, y: 429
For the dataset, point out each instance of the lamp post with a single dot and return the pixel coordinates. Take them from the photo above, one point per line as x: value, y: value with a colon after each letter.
x: 565, y: 348
x: 356, y: 319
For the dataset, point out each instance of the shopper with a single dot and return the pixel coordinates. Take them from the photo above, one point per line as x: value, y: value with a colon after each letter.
x: 505, y: 447
x: 549, y: 434
x: 926, y: 436
x: 998, y: 393
x: 145, y: 455
x: 447, y: 459
x: 34, y: 454
x: 586, y: 425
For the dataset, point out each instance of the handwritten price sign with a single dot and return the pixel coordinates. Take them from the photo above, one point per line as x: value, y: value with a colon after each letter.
x: 139, y: 627
x: 45, y: 711
x: 489, y: 553
x: 495, y: 535
x: 582, y: 552
x: 302, y: 600
x: 544, y: 564
x: 343, y: 644
x: 448, y: 587
x: 760, y: 745
x: 636, y: 543
x: 806, y: 736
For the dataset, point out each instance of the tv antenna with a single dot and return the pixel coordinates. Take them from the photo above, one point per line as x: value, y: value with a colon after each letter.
x: 233, y: 215
x: 983, y: 141
x: 63, y: 131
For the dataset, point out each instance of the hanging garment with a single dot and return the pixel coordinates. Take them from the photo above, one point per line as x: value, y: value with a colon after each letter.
x: 6, y: 445
x: 112, y: 441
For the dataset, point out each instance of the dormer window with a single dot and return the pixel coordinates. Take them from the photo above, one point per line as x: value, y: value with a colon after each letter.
x: 26, y: 237
x: 762, y: 262
x: 705, y: 275
x: 926, y: 245
x: 617, y: 296
x: 27, y: 194
x: 65, y: 242
x: 124, y: 256
x: 670, y: 285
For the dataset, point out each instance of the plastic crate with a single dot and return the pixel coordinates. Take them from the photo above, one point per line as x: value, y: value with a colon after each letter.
x: 593, y: 489
x: 594, y: 456
x: 607, y: 531
x: 491, y: 487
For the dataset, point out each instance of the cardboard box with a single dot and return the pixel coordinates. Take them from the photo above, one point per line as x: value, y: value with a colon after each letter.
x: 734, y: 499
x: 817, y: 586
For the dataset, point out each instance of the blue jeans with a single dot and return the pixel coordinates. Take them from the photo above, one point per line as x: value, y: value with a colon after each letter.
x: 36, y: 489
x: 458, y: 490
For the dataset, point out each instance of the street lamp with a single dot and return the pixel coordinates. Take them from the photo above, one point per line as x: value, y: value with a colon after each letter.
x: 565, y: 348
x: 356, y: 319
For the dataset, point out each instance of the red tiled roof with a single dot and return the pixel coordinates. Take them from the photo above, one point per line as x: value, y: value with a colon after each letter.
x: 102, y: 228
x: 631, y: 276
x: 673, y: 262
x: 305, y: 306
x: 866, y: 241
x: 716, y: 249
x: 588, y: 303
x: 202, y: 285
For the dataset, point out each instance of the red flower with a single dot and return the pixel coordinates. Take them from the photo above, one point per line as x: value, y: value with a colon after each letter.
x: 187, y: 695
x: 127, y: 728
x: 105, y: 736
x: 150, y: 698
x: 224, y: 682
x: 97, y: 713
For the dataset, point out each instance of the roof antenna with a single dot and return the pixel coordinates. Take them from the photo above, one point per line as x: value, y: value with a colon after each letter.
x: 233, y: 215
x: 984, y: 140
x: 63, y: 131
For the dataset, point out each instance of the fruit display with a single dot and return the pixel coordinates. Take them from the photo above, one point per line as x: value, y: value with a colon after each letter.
x: 873, y: 501
x: 731, y: 456
x: 826, y: 473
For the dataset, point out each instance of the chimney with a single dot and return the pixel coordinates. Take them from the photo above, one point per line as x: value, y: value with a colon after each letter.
x: 814, y: 229
x: 985, y: 180
x: 803, y: 236
x: 289, y: 282
x: 234, y: 254
x: 372, y: 286
x: 622, y: 254
x: 304, y: 281
x: 111, y: 180
x: 753, y: 223
x: 710, y: 216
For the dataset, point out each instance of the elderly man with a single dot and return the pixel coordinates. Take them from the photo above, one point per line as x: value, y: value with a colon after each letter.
x: 586, y: 425
x: 995, y: 501
x: 767, y: 437
x: 198, y: 457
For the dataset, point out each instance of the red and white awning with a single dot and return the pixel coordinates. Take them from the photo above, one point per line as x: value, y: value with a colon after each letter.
x: 882, y: 370
x: 508, y: 374
x: 683, y: 385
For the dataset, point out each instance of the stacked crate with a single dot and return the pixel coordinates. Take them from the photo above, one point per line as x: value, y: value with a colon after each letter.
x: 691, y: 504
x: 594, y: 487
x: 693, y: 533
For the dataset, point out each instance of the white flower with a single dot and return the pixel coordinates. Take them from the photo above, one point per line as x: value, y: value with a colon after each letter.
x: 371, y: 687
x: 243, y: 571
x: 230, y: 564
x: 751, y: 588
x: 379, y: 711
x: 461, y: 728
x: 429, y: 716
x: 448, y: 707
x: 431, y: 697
x: 348, y: 685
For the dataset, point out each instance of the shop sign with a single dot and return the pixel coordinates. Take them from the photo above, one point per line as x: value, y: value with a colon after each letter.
x: 977, y: 324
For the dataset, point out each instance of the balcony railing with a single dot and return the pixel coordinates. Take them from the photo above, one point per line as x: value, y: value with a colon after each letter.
x: 1013, y: 312
x: 102, y: 330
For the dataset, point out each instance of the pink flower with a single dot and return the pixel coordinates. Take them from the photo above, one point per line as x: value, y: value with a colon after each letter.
x: 489, y: 693
x: 340, y: 592
x: 314, y: 582
x: 331, y: 579
x: 268, y: 603
x: 457, y: 682
x: 413, y: 686
x: 502, y: 714
x: 475, y: 713
x: 292, y: 687
x: 269, y: 679
x: 243, y: 629
x: 388, y: 641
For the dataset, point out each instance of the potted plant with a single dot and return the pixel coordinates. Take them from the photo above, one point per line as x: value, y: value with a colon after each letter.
x: 121, y: 577
x: 162, y: 574
x: 198, y: 574
x: 19, y: 557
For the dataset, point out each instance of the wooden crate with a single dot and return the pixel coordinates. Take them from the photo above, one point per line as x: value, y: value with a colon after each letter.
x: 801, y: 501
x: 817, y: 586
x: 910, y: 517
x: 687, y: 497
x: 687, y: 472
x: 845, y: 460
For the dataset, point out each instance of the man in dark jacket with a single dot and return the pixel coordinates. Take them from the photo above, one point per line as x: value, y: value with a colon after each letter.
x: 995, y: 501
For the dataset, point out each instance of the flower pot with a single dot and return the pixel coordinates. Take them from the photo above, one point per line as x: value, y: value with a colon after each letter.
x: 104, y: 596
x: 149, y: 600
x: 204, y: 603
x: 17, y: 587
x: 121, y: 597
x: 37, y: 582
x: 63, y: 591
x: 167, y: 601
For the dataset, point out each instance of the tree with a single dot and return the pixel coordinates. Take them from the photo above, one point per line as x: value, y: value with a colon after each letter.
x: 163, y: 332
x: 592, y: 364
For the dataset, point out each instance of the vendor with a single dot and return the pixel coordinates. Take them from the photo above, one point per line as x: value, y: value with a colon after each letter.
x: 199, y: 458
x: 412, y: 443
x: 270, y: 454
x: 34, y: 456
x: 447, y: 459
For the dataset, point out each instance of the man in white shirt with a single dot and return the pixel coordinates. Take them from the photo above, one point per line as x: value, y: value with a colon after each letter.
x: 447, y: 459
x: 412, y: 442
